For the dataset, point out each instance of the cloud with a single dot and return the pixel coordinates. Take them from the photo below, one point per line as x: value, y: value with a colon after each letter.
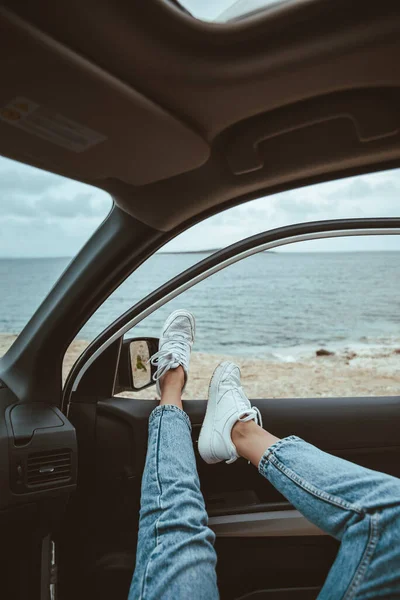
x: 14, y: 206
x: 372, y: 195
x: 17, y: 178
x: 368, y: 196
x: 46, y: 215
x: 81, y: 205
x: 29, y: 192
x: 15, y: 181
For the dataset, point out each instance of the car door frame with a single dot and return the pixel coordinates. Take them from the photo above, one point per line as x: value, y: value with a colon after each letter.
x: 217, y: 261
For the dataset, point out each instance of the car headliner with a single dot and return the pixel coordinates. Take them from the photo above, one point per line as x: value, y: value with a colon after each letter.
x: 172, y: 96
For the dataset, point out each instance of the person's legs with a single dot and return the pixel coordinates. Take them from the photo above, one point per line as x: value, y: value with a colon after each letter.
x: 358, y: 506
x: 175, y: 554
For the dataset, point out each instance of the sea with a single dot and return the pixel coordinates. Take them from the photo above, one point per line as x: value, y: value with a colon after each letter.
x: 275, y: 304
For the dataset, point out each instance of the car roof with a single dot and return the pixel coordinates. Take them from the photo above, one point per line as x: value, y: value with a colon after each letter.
x: 177, y: 118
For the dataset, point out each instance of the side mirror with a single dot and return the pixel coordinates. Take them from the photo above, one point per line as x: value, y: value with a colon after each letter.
x: 135, y: 372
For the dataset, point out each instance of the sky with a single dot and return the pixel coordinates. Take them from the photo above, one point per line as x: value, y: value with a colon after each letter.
x: 211, y: 10
x: 44, y: 215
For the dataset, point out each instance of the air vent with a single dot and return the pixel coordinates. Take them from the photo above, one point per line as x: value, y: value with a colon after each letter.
x: 48, y: 468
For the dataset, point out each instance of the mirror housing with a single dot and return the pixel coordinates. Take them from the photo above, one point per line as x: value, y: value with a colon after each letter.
x: 135, y: 372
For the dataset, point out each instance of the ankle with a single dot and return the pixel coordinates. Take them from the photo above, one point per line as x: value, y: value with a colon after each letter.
x: 251, y: 441
x: 171, y: 386
x: 173, y: 379
x: 242, y: 430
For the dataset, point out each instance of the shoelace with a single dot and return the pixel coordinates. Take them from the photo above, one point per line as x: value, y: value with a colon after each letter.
x: 251, y: 414
x: 167, y: 356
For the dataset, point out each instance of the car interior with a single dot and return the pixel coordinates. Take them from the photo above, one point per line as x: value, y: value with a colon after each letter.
x: 177, y: 119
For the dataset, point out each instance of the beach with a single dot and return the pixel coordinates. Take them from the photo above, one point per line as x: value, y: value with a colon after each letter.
x: 269, y: 313
x: 325, y: 376
x: 348, y: 372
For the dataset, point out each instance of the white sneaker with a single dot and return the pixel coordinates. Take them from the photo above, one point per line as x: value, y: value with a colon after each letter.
x: 227, y: 404
x: 175, y: 345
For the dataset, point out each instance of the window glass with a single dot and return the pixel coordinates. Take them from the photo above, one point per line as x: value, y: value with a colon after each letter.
x: 317, y: 318
x: 44, y: 221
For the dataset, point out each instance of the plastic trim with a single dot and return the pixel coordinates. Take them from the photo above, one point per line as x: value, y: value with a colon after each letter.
x: 283, y: 523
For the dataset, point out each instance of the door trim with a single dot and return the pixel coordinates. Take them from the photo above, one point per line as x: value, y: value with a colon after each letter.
x: 281, y: 523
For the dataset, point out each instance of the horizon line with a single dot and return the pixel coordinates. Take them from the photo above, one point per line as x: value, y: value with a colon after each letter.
x: 212, y: 252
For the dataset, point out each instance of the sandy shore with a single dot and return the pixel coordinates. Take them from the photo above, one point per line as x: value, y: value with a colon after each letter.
x: 345, y: 373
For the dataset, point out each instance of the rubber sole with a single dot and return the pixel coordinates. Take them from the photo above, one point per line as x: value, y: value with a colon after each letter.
x: 205, y: 437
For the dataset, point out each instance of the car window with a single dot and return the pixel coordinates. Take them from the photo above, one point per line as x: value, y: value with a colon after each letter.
x: 317, y: 318
x: 371, y: 195
x: 44, y: 221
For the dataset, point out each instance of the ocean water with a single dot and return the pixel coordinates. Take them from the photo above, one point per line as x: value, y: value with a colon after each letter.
x: 272, y: 304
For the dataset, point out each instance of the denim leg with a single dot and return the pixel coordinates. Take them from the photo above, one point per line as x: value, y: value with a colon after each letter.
x: 175, y: 554
x: 357, y: 506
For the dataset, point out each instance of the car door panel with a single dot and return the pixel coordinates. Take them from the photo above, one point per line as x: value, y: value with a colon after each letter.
x: 363, y: 430
x: 258, y: 532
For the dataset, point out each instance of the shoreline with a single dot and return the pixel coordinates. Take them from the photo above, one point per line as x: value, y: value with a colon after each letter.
x: 366, y: 371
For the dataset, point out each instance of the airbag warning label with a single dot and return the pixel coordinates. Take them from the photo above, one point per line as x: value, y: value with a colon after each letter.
x: 53, y: 127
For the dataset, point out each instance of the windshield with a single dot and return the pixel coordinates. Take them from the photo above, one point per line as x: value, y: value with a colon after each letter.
x: 44, y: 220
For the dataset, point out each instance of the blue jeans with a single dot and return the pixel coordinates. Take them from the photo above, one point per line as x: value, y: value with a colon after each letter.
x: 175, y: 554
